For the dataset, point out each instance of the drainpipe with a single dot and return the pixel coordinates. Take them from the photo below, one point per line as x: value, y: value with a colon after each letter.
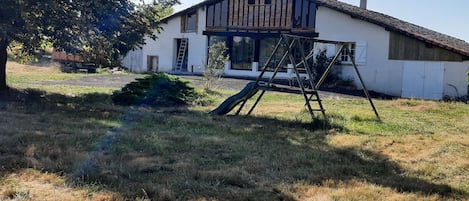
x: 363, y: 4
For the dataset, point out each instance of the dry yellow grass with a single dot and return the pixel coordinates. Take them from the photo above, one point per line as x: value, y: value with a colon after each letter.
x: 351, y: 190
x: 30, y: 184
x: 16, y: 68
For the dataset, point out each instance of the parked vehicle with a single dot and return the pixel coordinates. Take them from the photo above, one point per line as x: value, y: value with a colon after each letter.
x: 72, y: 62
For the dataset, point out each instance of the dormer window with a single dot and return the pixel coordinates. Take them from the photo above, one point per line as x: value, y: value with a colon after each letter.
x: 189, y: 22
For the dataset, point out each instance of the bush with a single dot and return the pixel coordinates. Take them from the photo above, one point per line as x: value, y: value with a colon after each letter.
x: 216, y: 62
x: 334, y: 78
x: 160, y: 90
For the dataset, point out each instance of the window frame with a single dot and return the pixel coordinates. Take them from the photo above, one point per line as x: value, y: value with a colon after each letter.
x: 185, y: 22
x: 245, y: 63
x: 344, y: 57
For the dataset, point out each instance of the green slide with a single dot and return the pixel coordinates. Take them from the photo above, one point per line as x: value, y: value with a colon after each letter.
x: 247, y: 92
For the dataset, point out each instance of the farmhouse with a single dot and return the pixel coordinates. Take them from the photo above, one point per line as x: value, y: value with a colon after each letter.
x: 393, y: 56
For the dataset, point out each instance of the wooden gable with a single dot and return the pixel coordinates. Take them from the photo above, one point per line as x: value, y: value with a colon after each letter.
x: 402, y: 47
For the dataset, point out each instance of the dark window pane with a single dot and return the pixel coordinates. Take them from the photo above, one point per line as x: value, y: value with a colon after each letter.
x: 224, y: 13
x: 312, y: 15
x: 304, y: 13
x: 191, y: 22
x: 251, y: 1
x: 297, y: 14
x: 217, y: 14
x: 267, y: 47
x: 216, y: 39
x: 210, y: 15
x: 268, y: 2
x: 243, y: 53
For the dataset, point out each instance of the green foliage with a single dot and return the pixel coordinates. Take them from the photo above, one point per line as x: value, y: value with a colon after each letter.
x: 101, y: 30
x: 160, y: 89
x: 467, y: 78
x: 17, y: 53
x: 319, y: 67
x: 216, y: 62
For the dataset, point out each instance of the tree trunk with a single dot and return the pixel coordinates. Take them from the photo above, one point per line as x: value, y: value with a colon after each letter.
x: 3, y: 64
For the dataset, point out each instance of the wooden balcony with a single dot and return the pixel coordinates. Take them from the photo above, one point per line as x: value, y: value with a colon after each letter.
x: 280, y: 16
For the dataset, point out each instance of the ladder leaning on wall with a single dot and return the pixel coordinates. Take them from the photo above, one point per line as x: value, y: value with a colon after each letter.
x: 181, y: 53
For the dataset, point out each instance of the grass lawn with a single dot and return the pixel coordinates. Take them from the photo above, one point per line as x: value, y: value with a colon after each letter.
x: 72, y: 143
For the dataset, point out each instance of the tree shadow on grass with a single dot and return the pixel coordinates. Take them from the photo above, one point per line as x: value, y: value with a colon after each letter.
x: 51, y: 132
x: 178, y: 154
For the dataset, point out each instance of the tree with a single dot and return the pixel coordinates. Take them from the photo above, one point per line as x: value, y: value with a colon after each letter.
x: 78, y: 25
x: 216, y: 62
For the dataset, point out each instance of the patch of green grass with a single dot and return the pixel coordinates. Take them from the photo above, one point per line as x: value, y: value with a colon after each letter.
x: 69, y: 90
x: 40, y: 77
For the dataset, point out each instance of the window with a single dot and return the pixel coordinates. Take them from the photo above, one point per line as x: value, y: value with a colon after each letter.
x: 242, y: 54
x: 304, y: 14
x: 216, y: 39
x: 217, y: 14
x: 358, y: 54
x: 267, y: 46
x: 344, y: 57
x: 253, y: 2
x: 189, y: 22
x: 152, y: 63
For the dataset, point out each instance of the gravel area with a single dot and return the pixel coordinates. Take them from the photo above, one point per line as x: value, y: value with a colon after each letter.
x: 238, y: 84
x: 112, y: 80
x: 120, y: 80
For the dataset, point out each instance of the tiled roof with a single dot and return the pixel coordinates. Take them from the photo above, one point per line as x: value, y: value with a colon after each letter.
x: 193, y: 7
x: 393, y: 24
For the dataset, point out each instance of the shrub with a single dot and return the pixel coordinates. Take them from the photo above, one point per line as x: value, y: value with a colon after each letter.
x: 161, y: 90
x: 216, y: 62
x: 334, y: 78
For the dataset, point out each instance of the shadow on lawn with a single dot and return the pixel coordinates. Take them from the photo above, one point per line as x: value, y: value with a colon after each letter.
x: 51, y: 132
x: 177, y: 154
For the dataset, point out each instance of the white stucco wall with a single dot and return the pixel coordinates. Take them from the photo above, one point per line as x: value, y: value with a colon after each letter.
x: 165, y: 46
x: 379, y: 73
x: 133, y: 60
x: 454, y: 72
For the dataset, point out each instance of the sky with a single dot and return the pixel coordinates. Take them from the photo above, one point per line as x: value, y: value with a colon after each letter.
x: 450, y: 17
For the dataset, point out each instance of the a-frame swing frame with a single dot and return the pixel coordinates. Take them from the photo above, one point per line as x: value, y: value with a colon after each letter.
x: 309, y: 93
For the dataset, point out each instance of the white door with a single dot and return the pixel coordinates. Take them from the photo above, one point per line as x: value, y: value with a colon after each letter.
x: 433, y: 82
x: 154, y: 63
x: 423, y: 80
